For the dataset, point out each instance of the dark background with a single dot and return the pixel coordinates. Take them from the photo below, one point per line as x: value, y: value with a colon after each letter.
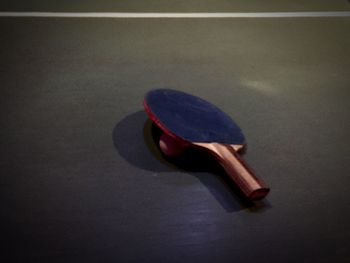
x: 81, y: 179
x: 174, y: 6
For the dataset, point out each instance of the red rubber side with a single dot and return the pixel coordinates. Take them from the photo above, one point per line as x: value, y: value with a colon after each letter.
x: 154, y: 118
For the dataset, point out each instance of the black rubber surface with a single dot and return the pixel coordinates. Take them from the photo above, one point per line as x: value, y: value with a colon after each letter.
x: 192, y: 118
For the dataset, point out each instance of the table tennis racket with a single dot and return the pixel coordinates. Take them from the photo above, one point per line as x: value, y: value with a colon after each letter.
x: 189, y: 121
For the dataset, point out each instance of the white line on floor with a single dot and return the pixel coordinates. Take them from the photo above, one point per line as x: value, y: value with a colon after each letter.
x: 176, y: 15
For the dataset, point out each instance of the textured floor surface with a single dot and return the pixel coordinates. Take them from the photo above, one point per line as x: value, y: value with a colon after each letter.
x: 81, y: 179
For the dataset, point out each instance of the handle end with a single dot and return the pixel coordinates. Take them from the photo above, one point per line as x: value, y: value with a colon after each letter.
x: 259, y: 194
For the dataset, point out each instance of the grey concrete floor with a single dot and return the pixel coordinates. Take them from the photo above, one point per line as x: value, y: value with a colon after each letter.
x: 81, y: 179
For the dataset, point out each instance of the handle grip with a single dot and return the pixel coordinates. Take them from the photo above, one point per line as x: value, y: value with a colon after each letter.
x: 252, y: 187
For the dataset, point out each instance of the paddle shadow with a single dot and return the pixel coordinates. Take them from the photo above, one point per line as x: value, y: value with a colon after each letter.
x: 136, y: 139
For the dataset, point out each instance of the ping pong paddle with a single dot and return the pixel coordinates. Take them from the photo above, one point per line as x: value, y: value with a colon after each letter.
x: 189, y: 121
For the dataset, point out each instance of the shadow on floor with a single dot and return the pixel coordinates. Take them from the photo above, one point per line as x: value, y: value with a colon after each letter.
x: 136, y: 139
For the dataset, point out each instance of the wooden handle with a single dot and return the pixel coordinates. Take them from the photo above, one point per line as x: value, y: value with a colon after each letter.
x: 253, y: 187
